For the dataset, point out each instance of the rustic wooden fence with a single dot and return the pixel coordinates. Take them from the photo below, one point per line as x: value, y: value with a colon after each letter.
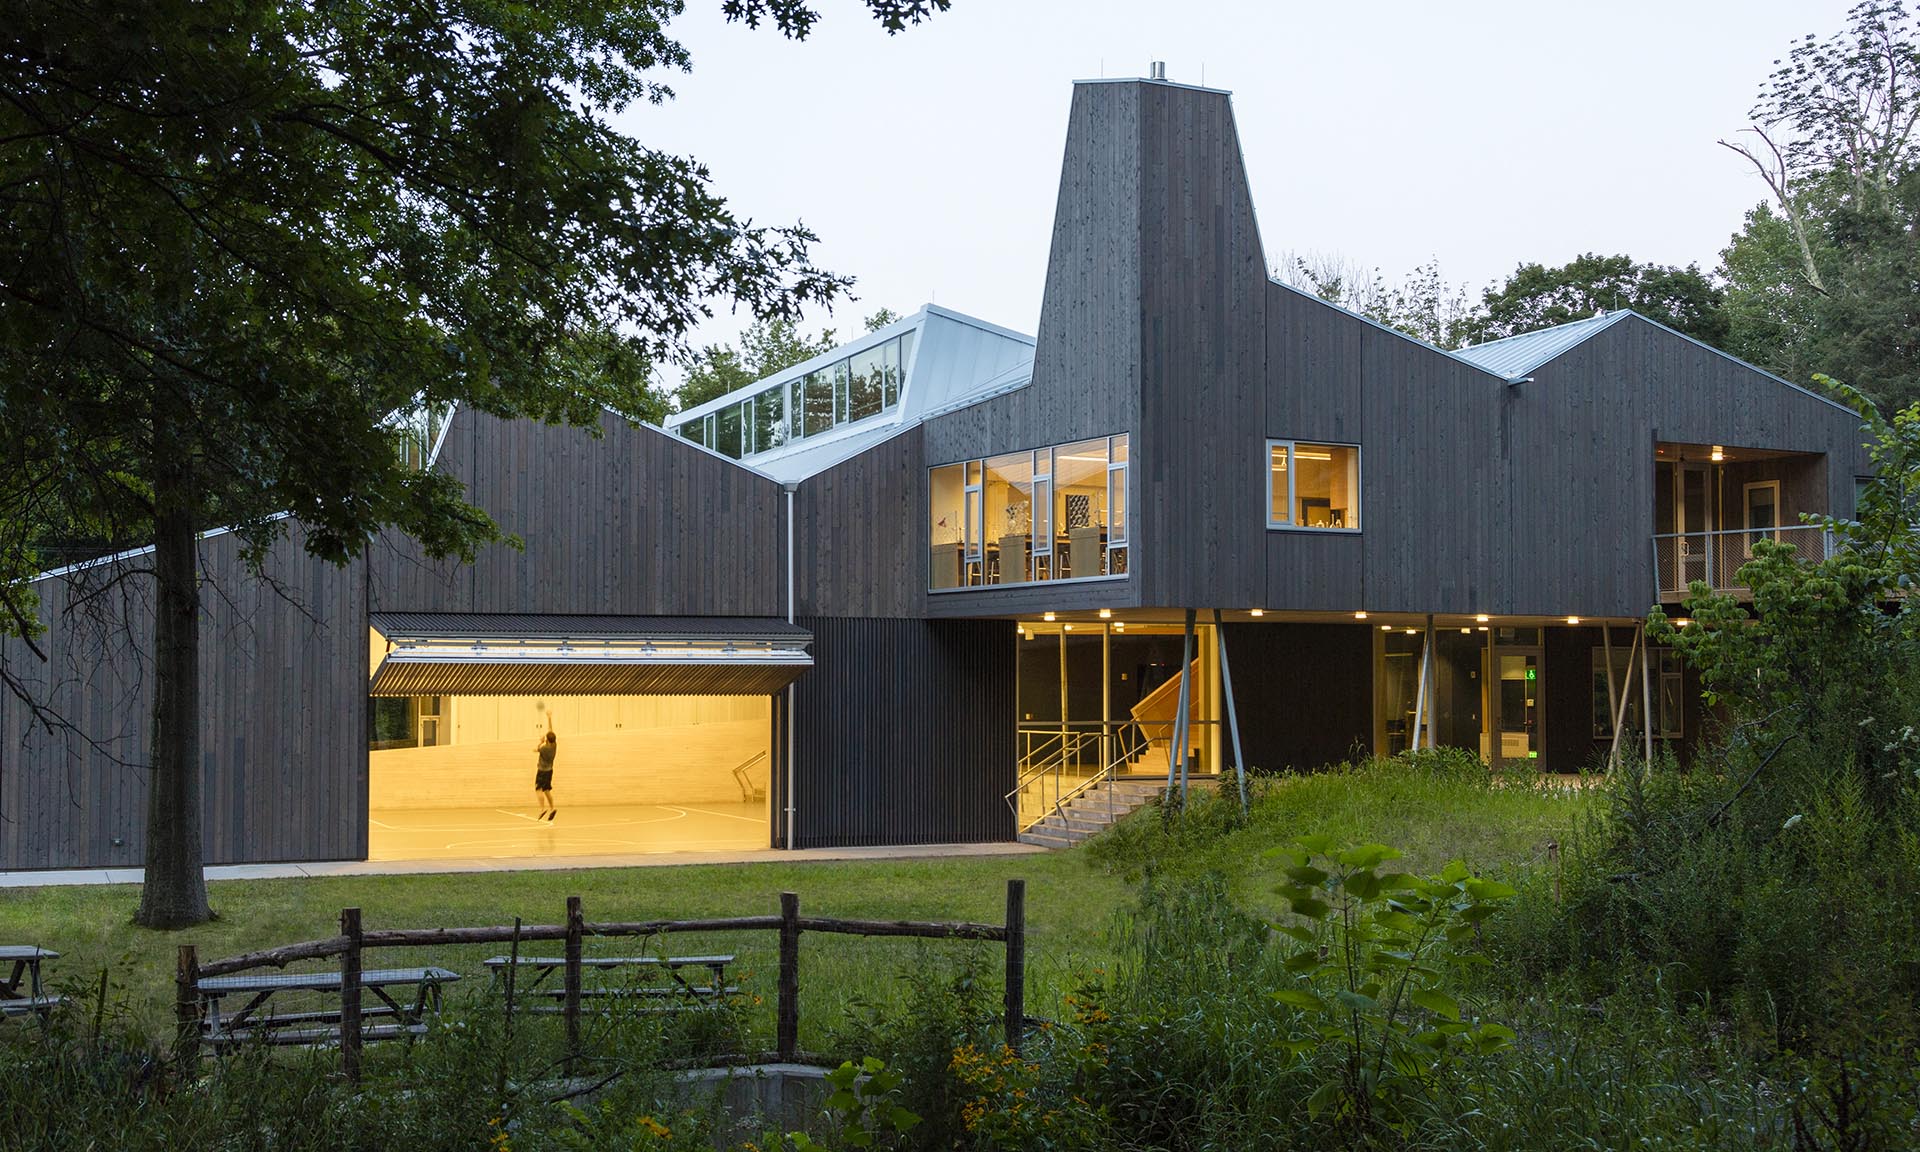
x: 353, y: 942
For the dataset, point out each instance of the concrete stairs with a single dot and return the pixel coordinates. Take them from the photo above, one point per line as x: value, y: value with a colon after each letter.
x: 1093, y: 811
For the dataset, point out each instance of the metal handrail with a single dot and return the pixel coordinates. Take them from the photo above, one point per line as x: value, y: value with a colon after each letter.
x: 1718, y: 565
x: 740, y: 775
x: 1107, y: 773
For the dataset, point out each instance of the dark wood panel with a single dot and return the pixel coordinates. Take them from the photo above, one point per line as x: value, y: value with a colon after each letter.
x: 630, y: 521
x: 1304, y: 693
x: 283, y: 698
x: 861, y: 533
x: 904, y: 732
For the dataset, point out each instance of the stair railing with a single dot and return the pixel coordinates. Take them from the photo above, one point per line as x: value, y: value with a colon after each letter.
x: 740, y: 776
x: 1130, y: 750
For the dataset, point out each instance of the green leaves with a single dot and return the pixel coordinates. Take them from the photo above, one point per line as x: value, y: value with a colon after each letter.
x: 1437, y: 1002
x: 1380, y: 949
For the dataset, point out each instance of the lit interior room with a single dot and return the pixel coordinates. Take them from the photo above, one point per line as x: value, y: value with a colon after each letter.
x: 453, y: 776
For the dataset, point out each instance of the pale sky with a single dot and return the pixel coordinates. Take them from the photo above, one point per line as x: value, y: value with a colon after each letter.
x: 1481, y: 134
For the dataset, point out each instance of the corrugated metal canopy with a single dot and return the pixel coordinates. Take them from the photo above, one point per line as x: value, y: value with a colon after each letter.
x: 564, y: 626
x: 458, y: 654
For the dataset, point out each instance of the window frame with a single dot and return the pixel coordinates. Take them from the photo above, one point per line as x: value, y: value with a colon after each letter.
x: 1666, y: 664
x: 973, y: 516
x: 1293, y: 470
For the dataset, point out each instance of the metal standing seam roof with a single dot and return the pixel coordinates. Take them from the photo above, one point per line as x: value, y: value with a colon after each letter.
x: 1518, y: 355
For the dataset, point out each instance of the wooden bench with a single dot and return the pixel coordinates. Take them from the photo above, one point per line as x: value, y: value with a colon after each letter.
x: 25, y: 960
x: 406, y: 1017
x: 677, y: 993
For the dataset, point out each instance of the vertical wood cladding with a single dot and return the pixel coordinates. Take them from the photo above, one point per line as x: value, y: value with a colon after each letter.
x: 1203, y: 301
x: 283, y: 699
x: 1304, y: 692
x: 1086, y: 368
x: 860, y: 531
x: 904, y: 732
x: 632, y: 521
x: 1578, y: 446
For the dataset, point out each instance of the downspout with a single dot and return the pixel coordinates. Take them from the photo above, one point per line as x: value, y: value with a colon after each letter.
x: 790, y: 721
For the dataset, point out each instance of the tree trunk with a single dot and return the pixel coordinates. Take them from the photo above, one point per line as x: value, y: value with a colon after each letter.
x: 175, y: 892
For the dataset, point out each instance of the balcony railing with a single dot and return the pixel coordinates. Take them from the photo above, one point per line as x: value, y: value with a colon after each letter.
x: 1680, y: 558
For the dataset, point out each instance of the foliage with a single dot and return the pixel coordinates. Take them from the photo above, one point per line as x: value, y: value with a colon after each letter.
x: 1821, y: 278
x: 247, y: 249
x: 950, y: 1005
x: 864, y: 1106
x: 1536, y: 296
x: 1422, y: 304
x: 765, y: 348
x: 1382, y: 951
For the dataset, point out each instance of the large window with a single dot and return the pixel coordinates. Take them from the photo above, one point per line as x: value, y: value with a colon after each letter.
x: 1055, y: 513
x: 855, y: 388
x: 1669, y: 693
x: 1313, y: 486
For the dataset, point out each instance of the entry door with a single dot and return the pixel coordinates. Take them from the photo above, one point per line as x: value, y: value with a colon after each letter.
x: 1518, y: 699
x: 1693, y: 513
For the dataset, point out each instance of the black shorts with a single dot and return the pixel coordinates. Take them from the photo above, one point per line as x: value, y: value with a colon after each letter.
x: 543, y: 780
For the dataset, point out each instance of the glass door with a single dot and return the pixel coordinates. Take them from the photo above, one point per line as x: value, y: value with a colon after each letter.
x: 1517, y: 703
x: 1693, y: 514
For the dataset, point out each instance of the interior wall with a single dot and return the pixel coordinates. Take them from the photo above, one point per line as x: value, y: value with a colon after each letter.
x: 611, y: 750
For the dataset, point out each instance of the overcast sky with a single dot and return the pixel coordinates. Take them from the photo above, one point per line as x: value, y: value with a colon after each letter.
x: 1479, y: 134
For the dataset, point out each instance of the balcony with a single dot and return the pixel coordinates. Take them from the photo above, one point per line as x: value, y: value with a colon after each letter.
x: 1680, y: 558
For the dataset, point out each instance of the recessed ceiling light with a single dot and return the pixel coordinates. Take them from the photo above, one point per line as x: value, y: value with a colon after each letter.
x: 1048, y: 617
x: 1482, y: 618
x: 1386, y: 627
x: 1257, y: 612
x: 1359, y: 615
x: 1106, y: 613
x: 1573, y: 619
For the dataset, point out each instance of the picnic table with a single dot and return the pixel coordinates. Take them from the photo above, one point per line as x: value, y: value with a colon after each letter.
x: 25, y: 959
x: 418, y: 991
x: 678, y: 986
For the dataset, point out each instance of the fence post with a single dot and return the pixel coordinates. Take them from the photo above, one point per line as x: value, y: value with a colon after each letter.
x: 1016, y: 963
x: 186, y: 1006
x: 787, y: 1028
x: 350, y: 995
x: 576, y: 927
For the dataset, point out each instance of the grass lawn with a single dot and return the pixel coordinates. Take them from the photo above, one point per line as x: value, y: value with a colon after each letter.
x: 1071, y: 896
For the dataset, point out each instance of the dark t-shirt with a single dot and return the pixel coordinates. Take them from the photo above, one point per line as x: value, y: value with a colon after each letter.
x: 546, y: 756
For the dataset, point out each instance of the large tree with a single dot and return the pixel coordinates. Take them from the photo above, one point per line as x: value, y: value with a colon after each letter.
x: 1822, y: 276
x: 1423, y: 304
x: 1537, y: 296
x: 245, y: 246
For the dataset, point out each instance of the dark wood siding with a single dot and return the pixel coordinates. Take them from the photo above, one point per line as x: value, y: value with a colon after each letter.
x: 633, y: 521
x: 1578, y: 443
x: 861, y: 533
x: 1304, y: 693
x: 283, y: 696
x: 1203, y: 331
x: 904, y: 732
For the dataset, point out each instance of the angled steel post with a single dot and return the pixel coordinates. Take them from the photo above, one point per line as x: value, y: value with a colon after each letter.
x: 1233, y: 716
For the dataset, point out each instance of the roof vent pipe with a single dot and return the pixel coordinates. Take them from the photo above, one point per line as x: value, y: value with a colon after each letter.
x: 1157, y: 70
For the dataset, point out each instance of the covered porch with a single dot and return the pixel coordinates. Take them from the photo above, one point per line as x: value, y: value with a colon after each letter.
x: 1713, y: 502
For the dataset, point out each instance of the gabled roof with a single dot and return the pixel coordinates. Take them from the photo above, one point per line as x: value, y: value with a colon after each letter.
x: 1516, y: 356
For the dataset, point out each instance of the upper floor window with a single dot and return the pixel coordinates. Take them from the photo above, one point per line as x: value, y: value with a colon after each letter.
x: 1055, y: 513
x: 864, y: 384
x: 1313, y: 486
